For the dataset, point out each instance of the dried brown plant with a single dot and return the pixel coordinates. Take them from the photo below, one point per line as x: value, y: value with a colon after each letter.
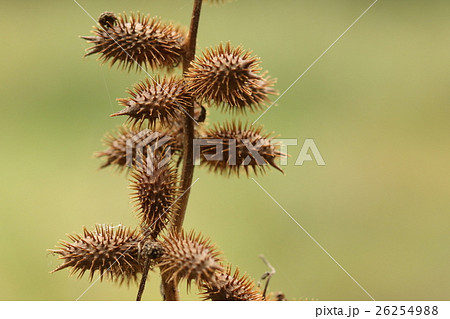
x: 241, y: 147
x: 155, y: 193
x: 164, y: 116
x: 136, y: 41
x: 113, y: 252
x: 229, y: 286
x: 190, y: 257
x: 156, y: 101
x: 231, y: 78
x: 121, y: 151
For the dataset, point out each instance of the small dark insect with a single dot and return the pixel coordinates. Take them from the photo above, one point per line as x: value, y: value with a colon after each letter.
x: 202, y: 116
x: 107, y: 19
x: 279, y: 296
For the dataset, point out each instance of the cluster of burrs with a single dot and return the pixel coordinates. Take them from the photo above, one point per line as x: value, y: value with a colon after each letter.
x: 150, y: 147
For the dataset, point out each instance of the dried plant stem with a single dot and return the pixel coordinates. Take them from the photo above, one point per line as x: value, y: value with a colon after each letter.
x: 143, y: 280
x: 191, y: 40
x: 188, y: 161
x: 170, y: 107
x: 170, y: 287
x: 267, y: 275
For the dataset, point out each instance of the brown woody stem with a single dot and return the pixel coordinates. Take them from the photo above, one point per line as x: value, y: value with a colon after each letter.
x: 188, y: 152
x: 143, y: 280
x: 170, y: 287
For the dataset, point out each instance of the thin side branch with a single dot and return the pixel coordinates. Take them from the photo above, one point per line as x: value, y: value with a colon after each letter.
x: 143, y: 280
x: 267, y: 275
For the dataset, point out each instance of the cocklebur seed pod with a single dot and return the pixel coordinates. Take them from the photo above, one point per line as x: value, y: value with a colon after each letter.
x: 230, y: 286
x: 113, y: 252
x: 136, y: 41
x: 155, y: 192
x: 154, y: 101
x: 231, y: 78
x: 124, y: 144
x: 190, y: 257
x: 232, y: 147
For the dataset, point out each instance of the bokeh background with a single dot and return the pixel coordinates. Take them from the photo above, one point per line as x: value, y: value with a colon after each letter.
x: 377, y: 106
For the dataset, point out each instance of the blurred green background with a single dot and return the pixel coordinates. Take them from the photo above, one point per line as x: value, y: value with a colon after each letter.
x: 377, y: 105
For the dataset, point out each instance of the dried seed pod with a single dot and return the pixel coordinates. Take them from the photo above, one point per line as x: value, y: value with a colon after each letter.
x: 156, y: 101
x: 123, y: 145
x: 259, y: 89
x: 231, y: 78
x: 112, y: 251
x: 155, y: 193
x: 231, y: 287
x: 191, y: 257
x: 137, y: 40
x: 231, y: 147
